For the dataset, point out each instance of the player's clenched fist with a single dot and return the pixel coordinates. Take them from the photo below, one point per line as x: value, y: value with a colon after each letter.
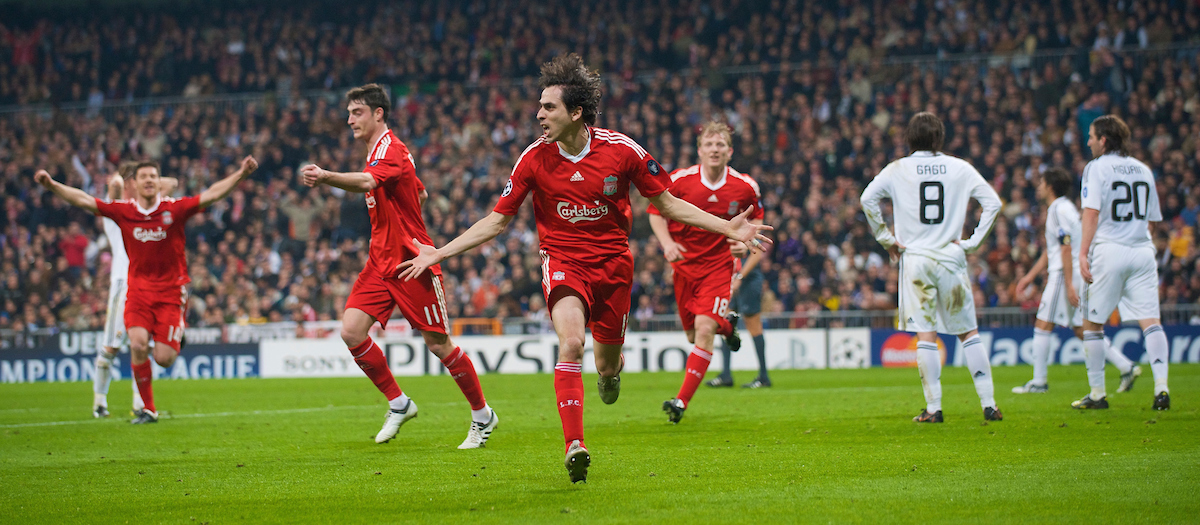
x: 249, y: 165
x: 42, y: 177
x: 312, y: 175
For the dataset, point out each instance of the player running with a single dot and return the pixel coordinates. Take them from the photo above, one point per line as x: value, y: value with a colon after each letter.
x: 394, y: 196
x: 1117, y: 255
x: 120, y: 184
x: 930, y: 192
x: 704, y: 266
x: 745, y: 301
x: 1060, y: 299
x: 580, y: 177
x: 152, y: 230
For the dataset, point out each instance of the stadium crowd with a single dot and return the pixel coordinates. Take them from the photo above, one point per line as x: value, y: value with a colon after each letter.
x: 819, y: 113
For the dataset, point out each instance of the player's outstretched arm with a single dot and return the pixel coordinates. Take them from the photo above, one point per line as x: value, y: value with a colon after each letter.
x: 739, y: 228
x: 671, y: 250
x: 225, y: 186
x: 483, y: 231
x: 74, y: 196
x: 359, y: 182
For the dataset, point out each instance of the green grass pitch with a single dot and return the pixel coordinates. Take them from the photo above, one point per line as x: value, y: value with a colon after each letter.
x: 821, y: 446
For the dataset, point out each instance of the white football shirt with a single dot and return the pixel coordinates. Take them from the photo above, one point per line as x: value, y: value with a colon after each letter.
x: 1122, y: 190
x: 930, y: 195
x: 1062, y: 226
x: 120, y: 260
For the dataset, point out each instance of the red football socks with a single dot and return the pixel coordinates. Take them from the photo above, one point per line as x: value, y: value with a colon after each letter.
x: 143, y: 374
x: 568, y: 386
x: 373, y: 363
x: 697, y: 365
x: 463, y: 371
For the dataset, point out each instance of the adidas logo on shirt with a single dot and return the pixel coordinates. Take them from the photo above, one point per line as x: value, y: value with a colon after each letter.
x: 576, y: 177
x: 713, y: 198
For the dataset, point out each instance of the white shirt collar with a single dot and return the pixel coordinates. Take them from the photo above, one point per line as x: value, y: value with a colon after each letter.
x: 924, y: 153
x: 144, y: 211
x: 714, y: 186
x: 587, y: 147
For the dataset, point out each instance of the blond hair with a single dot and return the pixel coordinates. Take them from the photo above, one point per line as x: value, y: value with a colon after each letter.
x: 715, y: 128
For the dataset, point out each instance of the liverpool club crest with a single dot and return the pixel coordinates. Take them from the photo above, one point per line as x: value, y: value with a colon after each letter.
x: 610, y: 185
x: 166, y: 218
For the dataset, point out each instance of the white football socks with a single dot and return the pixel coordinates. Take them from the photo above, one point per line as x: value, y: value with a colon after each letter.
x: 1114, y: 356
x: 400, y: 403
x: 1156, y: 351
x: 103, y: 377
x: 929, y: 364
x: 1095, y: 344
x: 483, y: 415
x: 981, y: 370
x: 1041, y: 355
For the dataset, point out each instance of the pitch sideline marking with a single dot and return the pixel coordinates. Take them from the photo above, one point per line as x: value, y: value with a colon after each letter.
x: 189, y: 416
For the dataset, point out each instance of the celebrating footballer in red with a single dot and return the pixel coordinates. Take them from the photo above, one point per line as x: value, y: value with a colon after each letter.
x: 152, y: 231
x: 394, y: 196
x: 702, y: 260
x: 580, y: 177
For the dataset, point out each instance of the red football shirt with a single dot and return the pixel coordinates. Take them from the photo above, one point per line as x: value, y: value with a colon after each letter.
x: 394, y: 206
x: 153, y: 239
x: 732, y: 194
x: 581, y: 202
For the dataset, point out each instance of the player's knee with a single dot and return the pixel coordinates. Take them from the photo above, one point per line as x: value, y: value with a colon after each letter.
x: 570, y: 348
x: 164, y: 355
x: 353, y: 338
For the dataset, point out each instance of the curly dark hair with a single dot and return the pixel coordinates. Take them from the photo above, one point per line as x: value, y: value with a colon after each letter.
x: 580, y: 85
x: 925, y: 132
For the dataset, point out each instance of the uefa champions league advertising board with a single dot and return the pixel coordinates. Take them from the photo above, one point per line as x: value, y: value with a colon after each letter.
x: 71, y: 356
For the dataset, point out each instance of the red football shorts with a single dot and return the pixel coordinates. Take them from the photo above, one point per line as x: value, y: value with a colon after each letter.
x: 604, y: 288
x: 160, y: 312
x: 706, y: 294
x: 422, y: 300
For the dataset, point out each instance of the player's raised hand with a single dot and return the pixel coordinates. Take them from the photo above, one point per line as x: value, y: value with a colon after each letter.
x: 312, y: 175
x: 674, y: 252
x: 427, y: 256
x: 741, y: 229
x: 43, y: 177
x: 249, y: 165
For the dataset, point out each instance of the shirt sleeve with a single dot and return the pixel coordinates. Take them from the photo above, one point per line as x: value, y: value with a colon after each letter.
x: 758, y: 213
x: 105, y: 209
x: 390, y: 170
x: 186, y: 207
x: 879, y: 188
x: 1092, y: 190
x: 1062, y: 225
x: 646, y: 174
x: 518, y: 186
x: 1154, y: 211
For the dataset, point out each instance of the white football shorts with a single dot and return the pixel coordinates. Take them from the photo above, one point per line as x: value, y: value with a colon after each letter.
x: 1121, y: 275
x: 935, y: 296
x: 114, y: 320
